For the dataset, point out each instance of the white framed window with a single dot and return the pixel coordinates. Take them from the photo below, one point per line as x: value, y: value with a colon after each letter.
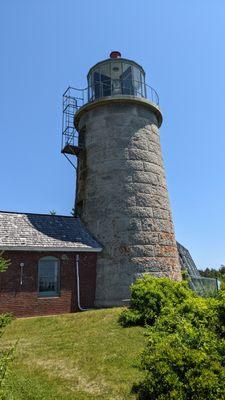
x: 48, y: 277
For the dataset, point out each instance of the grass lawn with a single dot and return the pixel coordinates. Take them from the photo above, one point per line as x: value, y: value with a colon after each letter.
x: 75, y: 356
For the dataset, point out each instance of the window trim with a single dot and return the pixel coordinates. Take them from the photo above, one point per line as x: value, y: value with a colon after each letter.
x: 57, y: 267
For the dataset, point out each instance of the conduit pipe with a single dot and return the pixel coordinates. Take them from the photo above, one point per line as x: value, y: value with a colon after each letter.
x: 78, y: 285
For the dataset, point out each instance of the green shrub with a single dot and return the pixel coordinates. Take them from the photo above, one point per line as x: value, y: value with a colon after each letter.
x: 149, y: 296
x: 4, y: 263
x: 221, y: 313
x: 5, y: 356
x: 186, y: 365
x: 185, y: 354
x: 5, y: 319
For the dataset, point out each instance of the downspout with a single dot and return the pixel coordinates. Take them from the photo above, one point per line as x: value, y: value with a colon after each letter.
x: 78, y: 285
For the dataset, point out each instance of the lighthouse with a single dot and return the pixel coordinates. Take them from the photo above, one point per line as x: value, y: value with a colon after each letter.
x: 121, y: 191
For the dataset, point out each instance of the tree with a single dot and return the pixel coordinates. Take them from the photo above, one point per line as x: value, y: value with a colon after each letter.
x: 214, y: 273
x: 5, y: 355
x: 73, y: 212
x: 52, y: 212
x: 4, y: 263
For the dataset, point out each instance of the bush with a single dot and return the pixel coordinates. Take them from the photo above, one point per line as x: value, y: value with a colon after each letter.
x: 5, y: 356
x: 5, y: 319
x: 4, y: 263
x: 186, y: 365
x: 185, y: 352
x: 149, y: 296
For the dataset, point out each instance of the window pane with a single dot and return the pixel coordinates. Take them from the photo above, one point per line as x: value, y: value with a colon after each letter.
x: 116, y: 71
x: 48, y: 277
x: 143, y: 85
x: 126, y: 80
x: 137, y: 81
x: 105, y: 80
x: 97, y: 87
x: 90, y: 88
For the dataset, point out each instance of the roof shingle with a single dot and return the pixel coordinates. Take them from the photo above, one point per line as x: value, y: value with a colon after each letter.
x: 24, y: 231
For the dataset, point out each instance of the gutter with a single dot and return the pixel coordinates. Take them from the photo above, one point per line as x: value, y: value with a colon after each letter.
x: 62, y: 249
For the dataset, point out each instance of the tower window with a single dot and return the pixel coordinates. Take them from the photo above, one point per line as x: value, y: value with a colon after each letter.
x: 48, y: 277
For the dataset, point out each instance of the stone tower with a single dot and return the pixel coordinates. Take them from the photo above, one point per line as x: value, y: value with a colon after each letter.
x: 121, y: 188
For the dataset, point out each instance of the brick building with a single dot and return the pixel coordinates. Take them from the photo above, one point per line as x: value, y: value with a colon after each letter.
x: 53, y: 264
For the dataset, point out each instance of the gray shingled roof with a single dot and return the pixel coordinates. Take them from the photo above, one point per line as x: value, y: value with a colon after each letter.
x: 20, y: 231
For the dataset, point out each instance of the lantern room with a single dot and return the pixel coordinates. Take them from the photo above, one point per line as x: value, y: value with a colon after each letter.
x: 116, y: 76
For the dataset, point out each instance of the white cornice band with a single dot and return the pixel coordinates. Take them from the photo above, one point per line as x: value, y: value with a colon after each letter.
x: 59, y: 249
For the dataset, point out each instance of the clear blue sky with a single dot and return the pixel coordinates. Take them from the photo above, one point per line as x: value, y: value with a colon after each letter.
x: 48, y: 44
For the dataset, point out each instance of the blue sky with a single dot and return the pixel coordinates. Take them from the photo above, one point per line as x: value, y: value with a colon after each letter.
x: 48, y: 44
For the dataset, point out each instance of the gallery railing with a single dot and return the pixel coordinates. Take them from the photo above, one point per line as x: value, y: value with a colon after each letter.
x: 74, y: 98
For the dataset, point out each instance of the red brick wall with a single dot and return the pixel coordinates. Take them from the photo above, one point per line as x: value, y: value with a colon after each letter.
x: 22, y: 300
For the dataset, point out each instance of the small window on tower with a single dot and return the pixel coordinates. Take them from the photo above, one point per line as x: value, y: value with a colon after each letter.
x: 48, y: 277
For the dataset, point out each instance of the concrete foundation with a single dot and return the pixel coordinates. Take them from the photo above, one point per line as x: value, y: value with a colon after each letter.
x: 122, y: 196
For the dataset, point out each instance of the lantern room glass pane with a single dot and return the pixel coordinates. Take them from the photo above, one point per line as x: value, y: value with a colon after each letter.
x: 90, y: 88
x: 116, y: 71
x: 127, y: 80
x: 105, y: 79
x: 96, y: 84
x: 137, y: 82
x: 143, y: 85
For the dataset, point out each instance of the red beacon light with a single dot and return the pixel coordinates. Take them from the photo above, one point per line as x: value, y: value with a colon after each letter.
x: 115, y: 54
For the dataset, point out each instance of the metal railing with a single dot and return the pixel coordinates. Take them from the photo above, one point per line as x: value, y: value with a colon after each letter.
x: 79, y: 97
x: 204, y: 286
x: 119, y: 87
x: 74, y: 98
